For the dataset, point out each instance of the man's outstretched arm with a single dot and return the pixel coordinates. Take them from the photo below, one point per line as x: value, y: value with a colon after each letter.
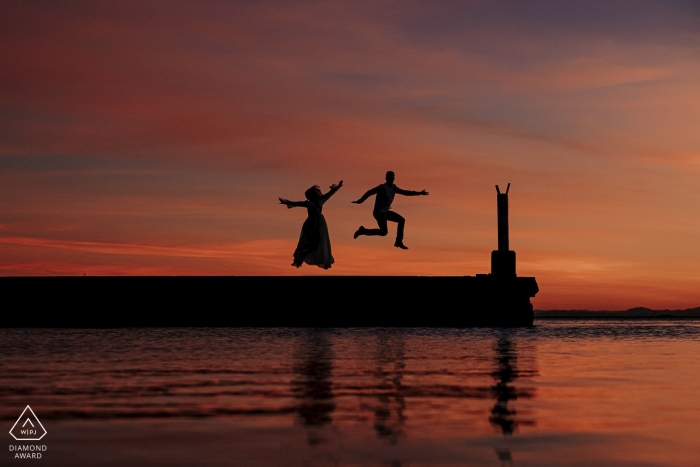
x: 369, y: 193
x: 411, y: 192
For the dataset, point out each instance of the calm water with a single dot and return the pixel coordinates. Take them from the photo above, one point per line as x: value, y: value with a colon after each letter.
x: 574, y: 393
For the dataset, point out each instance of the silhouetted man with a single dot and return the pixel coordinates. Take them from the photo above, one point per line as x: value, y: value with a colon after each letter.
x: 382, y: 209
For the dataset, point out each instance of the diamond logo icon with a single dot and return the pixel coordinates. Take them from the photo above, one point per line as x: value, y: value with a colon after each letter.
x: 28, y: 427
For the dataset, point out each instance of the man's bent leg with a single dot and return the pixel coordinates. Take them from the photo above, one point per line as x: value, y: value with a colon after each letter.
x: 381, y: 222
x: 394, y: 217
x: 398, y: 218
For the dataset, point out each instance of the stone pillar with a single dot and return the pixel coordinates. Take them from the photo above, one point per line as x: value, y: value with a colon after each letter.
x: 503, y: 260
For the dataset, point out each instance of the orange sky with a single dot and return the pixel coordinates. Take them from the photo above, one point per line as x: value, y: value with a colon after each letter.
x: 155, y: 138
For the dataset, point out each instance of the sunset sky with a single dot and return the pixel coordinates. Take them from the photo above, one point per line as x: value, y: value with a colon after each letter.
x: 154, y: 137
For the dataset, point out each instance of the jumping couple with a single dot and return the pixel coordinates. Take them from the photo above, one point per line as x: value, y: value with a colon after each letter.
x: 314, y: 245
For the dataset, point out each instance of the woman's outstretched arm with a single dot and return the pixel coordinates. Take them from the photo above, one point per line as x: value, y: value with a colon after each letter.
x: 292, y: 204
x: 331, y: 192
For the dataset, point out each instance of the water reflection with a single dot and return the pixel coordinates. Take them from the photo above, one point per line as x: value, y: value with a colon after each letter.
x: 504, y: 456
x: 440, y: 395
x: 504, y: 391
x: 389, y: 418
x: 312, y: 383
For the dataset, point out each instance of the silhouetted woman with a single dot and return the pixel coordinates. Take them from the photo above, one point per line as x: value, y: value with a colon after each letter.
x: 314, y: 245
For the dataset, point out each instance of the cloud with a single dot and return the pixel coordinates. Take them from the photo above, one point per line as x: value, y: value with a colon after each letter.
x: 255, y: 249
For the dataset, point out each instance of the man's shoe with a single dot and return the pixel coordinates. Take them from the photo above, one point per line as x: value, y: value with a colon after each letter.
x: 358, y: 232
x: 399, y: 244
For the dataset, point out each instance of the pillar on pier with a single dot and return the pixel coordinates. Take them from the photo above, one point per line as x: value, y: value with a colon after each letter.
x: 503, y: 259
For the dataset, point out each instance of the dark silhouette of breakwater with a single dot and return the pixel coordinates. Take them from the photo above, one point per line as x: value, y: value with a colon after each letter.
x: 303, y: 301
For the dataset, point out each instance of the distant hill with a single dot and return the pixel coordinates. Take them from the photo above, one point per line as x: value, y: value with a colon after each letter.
x: 639, y: 312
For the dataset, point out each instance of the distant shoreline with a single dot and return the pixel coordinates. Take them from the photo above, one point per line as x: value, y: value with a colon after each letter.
x: 632, y: 313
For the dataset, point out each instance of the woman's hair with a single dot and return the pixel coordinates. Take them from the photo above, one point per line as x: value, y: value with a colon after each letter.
x: 312, y: 193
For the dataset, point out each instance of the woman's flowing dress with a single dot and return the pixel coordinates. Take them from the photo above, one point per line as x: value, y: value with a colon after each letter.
x: 314, y: 245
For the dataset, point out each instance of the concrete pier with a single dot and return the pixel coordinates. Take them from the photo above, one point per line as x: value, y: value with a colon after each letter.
x: 497, y: 299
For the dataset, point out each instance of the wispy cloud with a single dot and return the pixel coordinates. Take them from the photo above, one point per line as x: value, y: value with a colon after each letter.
x: 255, y: 249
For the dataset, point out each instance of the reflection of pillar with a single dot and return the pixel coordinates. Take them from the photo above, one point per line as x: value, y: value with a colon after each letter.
x: 503, y: 392
x: 312, y: 385
x: 512, y: 363
x: 505, y: 457
x: 389, y: 413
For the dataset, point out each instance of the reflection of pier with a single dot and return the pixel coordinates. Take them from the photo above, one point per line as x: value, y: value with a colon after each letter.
x: 503, y: 415
x: 312, y: 386
x: 389, y: 413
